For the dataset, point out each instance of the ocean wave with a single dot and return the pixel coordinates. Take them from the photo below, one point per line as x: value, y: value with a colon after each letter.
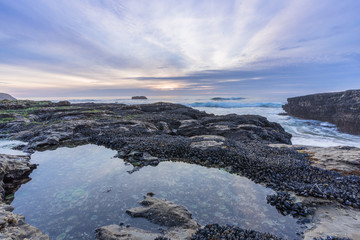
x: 226, y: 99
x: 234, y: 105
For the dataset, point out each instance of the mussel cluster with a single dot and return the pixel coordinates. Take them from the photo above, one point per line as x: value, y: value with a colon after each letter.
x: 215, y: 231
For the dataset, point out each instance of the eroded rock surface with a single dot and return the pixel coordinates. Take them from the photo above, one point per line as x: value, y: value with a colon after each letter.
x: 340, y: 108
x: 343, y: 159
x: 116, y: 232
x: 335, y: 220
x: 14, y: 171
x: 164, y: 213
x: 13, y: 226
x: 176, y: 218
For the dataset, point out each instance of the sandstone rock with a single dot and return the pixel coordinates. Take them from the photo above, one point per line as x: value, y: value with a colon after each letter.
x: 335, y: 220
x: 340, y: 108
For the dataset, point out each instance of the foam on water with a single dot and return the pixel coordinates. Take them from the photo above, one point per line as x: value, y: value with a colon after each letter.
x: 234, y: 104
x: 6, y: 147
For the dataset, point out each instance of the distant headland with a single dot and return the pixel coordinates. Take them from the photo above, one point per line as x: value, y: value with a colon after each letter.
x: 4, y: 96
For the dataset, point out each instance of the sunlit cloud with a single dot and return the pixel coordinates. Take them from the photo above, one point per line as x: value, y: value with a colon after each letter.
x: 170, y: 45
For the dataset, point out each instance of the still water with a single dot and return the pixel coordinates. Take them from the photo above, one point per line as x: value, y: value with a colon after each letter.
x: 75, y: 190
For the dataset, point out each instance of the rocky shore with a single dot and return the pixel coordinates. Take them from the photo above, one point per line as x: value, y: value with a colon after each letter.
x: 340, y: 108
x: 14, y: 171
x: 151, y: 133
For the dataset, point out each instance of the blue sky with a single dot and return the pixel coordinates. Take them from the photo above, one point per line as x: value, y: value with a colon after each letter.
x: 163, y: 47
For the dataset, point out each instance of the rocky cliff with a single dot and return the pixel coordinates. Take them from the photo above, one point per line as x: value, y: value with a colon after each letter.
x: 340, y: 108
x: 6, y: 96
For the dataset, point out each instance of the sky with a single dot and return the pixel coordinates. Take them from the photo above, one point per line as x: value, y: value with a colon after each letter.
x: 277, y: 48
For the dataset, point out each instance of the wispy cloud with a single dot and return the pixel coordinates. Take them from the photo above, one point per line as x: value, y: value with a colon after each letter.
x: 169, y: 45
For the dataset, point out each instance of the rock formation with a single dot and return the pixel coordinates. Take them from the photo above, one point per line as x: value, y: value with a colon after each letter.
x: 6, y: 96
x: 340, y: 108
x: 177, y: 218
x: 14, y: 171
x: 180, y: 225
x: 151, y: 133
x: 139, y: 97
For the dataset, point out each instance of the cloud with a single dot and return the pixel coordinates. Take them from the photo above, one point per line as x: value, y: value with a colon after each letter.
x: 169, y: 45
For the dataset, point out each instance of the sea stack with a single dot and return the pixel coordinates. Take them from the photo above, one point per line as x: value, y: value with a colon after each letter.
x: 339, y: 108
x: 139, y: 97
x: 6, y: 96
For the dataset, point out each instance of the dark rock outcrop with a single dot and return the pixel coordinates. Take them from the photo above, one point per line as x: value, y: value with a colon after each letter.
x: 14, y: 171
x: 139, y: 97
x: 6, y: 96
x: 179, y: 222
x: 340, y: 108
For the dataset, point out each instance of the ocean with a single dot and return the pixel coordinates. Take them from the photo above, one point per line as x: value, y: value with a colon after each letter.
x: 304, y: 132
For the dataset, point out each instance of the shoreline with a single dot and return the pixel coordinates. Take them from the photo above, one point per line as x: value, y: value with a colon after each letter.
x: 237, y: 143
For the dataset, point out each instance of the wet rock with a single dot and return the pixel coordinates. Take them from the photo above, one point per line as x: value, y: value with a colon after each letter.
x: 340, y: 108
x: 14, y: 171
x: 164, y: 213
x: 116, y: 232
x: 13, y: 226
x: 215, y: 231
x: 177, y: 218
x: 286, y: 204
x: 138, y: 159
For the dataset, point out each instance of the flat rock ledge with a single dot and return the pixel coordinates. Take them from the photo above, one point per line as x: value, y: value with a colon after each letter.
x: 14, y: 171
x: 343, y: 159
x: 331, y: 218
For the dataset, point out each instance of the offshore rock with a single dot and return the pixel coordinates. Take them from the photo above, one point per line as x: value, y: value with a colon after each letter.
x: 340, y: 108
x: 139, y: 97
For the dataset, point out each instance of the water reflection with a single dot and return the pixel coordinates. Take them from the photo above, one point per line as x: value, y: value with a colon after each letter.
x: 76, y: 190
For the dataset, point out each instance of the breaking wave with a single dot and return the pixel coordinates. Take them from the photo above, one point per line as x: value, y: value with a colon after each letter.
x: 226, y: 99
x: 235, y: 105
